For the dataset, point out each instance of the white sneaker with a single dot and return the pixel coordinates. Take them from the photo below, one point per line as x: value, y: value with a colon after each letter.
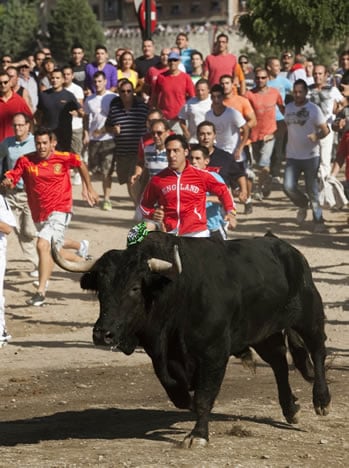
x: 76, y: 179
x: 83, y: 250
x: 34, y: 274
x: 5, y: 337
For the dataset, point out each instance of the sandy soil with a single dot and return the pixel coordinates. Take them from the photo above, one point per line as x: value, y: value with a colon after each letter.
x: 65, y: 402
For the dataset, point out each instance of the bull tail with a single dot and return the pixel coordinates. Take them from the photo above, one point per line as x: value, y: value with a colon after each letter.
x: 300, y: 355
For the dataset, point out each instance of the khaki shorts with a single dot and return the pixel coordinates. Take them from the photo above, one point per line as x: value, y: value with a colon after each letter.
x: 101, y: 156
x: 54, y: 227
x: 76, y: 141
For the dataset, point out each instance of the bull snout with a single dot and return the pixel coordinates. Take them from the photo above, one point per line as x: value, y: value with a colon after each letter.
x: 102, y: 337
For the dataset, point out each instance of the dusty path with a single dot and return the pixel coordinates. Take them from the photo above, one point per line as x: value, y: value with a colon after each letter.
x: 65, y: 402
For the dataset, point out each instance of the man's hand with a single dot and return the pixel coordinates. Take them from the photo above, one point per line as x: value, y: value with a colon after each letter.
x: 90, y: 196
x: 231, y: 219
x: 6, y: 184
x: 243, y: 196
x: 158, y: 216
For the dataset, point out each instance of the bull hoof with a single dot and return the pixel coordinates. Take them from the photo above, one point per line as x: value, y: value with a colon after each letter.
x: 293, y: 418
x: 194, y: 442
x: 248, y: 361
x: 322, y: 411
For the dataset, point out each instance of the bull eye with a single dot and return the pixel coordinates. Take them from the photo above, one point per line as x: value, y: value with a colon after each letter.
x: 135, y: 290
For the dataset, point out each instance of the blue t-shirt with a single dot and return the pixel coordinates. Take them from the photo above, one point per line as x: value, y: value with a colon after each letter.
x: 284, y: 86
x: 214, y: 210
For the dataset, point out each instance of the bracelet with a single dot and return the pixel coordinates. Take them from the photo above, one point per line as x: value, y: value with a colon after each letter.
x: 233, y: 212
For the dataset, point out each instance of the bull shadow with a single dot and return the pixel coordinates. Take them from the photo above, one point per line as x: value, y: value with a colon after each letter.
x: 111, y: 423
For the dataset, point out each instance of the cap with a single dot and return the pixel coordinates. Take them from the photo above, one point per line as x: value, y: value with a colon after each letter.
x: 174, y: 56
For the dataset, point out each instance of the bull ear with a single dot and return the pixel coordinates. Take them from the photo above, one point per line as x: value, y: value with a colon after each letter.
x: 166, y: 268
x: 74, y: 267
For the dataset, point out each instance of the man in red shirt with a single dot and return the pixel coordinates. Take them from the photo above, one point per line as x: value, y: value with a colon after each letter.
x: 175, y: 198
x: 221, y: 62
x: 10, y: 104
x: 264, y: 100
x: 46, y: 174
x: 172, y: 89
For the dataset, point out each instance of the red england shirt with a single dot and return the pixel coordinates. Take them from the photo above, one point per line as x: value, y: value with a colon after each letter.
x: 47, y: 182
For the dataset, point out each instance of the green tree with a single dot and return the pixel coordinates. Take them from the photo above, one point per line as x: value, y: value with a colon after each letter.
x: 18, y: 26
x: 295, y: 23
x: 73, y: 22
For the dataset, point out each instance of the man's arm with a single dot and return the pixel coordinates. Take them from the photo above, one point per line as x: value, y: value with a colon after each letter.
x: 245, y: 131
x: 322, y: 132
x: 88, y: 192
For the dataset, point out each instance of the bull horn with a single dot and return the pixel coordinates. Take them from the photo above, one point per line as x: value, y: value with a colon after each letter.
x: 158, y: 265
x: 177, y: 259
x: 74, y: 267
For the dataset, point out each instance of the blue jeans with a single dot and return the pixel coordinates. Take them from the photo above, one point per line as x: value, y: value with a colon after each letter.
x: 293, y: 170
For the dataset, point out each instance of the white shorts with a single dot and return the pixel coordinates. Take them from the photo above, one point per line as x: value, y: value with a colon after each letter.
x: 54, y: 227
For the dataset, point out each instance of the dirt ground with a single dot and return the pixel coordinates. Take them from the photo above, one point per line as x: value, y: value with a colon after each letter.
x: 67, y: 403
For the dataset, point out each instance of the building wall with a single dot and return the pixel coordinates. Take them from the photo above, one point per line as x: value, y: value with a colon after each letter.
x: 121, y: 12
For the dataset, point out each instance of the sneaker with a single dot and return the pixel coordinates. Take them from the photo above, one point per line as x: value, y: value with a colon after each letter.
x: 319, y: 228
x: 276, y: 180
x: 83, y: 250
x: 5, y: 337
x: 106, y: 206
x: 301, y: 215
x: 266, y: 186
x: 34, y: 274
x: 36, y: 300
x: 257, y: 195
x: 248, y: 208
x: 76, y: 179
x: 36, y: 284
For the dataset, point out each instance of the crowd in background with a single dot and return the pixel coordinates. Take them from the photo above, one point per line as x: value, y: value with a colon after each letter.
x: 256, y: 128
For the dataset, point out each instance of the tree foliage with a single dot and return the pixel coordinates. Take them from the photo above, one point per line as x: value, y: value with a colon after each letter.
x: 18, y: 25
x: 71, y: 23
x: 291, y: 24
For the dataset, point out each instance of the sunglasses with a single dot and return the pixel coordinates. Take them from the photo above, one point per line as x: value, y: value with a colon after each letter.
x: 4, y: 82
x: 261, y: 77
x: 287, y: 55
x: 126, y: 91
x: 158, y: 133
x: 243, y: 63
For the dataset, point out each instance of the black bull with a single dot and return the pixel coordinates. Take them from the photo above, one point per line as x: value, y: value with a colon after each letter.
x: 204, y: 301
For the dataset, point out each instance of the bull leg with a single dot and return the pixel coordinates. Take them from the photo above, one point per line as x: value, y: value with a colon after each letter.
x: 273, y: 351
x: 174, y: 382
x: 314, y: 337
x: 208, y: 380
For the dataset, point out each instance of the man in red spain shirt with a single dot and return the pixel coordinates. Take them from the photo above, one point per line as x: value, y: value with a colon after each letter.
x: 46, y: 175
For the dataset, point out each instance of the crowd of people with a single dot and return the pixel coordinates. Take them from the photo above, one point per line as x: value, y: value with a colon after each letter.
x: 187, y: 134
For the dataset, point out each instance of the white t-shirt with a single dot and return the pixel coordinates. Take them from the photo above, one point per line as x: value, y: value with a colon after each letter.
x: 228, y: 126
x: 193, y: 112
x: 79, y: 94
x: 325, y: 98
x: 301, y: 121
x: 97, y: 108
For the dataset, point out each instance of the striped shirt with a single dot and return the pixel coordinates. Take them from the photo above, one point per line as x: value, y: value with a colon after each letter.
x: 132, y: 125
x: 154, y: 160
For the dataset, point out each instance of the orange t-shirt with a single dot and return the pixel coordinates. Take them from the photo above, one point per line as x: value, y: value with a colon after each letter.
x: 264, y: 107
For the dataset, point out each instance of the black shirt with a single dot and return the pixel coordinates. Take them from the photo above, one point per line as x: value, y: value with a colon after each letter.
x: 143, y: 64
x: 226, y: 167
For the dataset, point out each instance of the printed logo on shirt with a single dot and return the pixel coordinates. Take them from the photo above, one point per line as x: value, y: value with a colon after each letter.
x: 298, y: 118
x: 57, y: 169
x: 182, y: 187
